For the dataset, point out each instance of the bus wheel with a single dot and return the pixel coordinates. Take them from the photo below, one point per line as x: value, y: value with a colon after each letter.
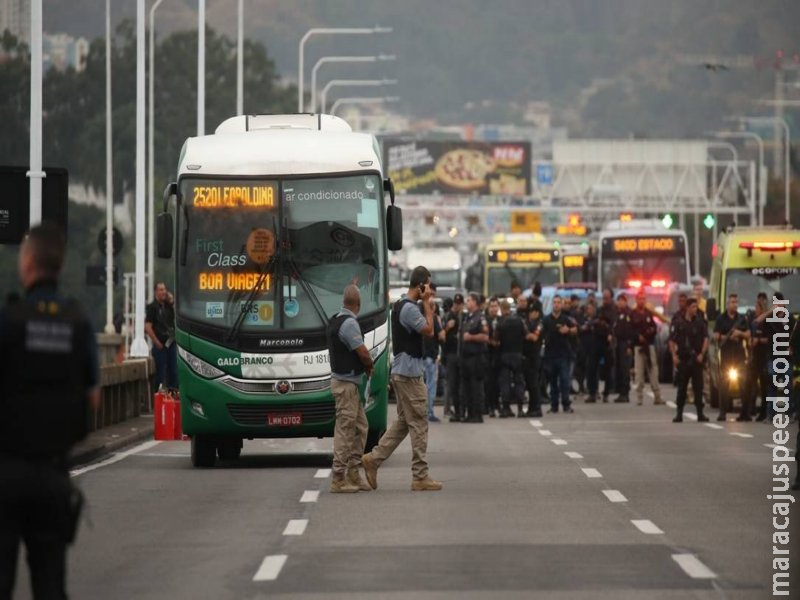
x: 373, y: 437
x: 229, y: 449
x: 204, y: 451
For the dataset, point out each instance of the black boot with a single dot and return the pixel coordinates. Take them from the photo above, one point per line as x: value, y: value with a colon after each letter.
x: 679, y: 417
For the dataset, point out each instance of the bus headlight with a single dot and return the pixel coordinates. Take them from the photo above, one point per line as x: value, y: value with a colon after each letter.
x: 733, y: 374
x: 200, y: 367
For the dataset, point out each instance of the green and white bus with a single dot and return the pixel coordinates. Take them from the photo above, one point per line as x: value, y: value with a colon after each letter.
x: 274, y: 216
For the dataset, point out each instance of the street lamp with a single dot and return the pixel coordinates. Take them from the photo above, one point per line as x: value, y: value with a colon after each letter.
x: 240, y: 60
x: 35, y: 173
x: 150, y: 168
x: 787, y: 173
x: 762, y: 175
x: 339, y: 59
x: 350, y: 82
x: 362, y: 100
x: 109, y: 185
x: 327, y: 31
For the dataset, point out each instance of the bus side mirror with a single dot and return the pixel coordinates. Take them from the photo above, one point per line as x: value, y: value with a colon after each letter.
x: 164, y: 229
x: 711, y: 309
x: 394, y: 219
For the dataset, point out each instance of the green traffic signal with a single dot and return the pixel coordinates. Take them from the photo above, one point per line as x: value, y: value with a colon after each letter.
x: 668, y: 221
x: 709, y: 221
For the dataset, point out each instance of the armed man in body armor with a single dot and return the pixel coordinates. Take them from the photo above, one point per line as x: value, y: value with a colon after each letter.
x: 473, y: 367
x: 532, y: 351
x: 644, y: 358
x: 409, y: 325
x: 623, y: 336
x: 453, y: 326
x: 48, y: 381
x: 510, y: 335
x: 689, y: 344
x: 350, y: 359
x: 491, y: 383
x: 731, y: 332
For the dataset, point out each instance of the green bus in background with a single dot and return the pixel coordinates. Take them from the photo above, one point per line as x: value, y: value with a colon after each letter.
x: 274, y: 216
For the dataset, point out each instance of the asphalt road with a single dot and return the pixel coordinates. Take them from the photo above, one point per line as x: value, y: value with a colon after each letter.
x: 612, y: 502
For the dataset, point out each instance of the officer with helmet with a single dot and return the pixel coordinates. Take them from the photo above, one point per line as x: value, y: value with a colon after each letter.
x: 48, y: 381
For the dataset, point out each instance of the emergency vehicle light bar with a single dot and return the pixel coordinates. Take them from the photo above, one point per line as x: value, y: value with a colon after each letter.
x: 769, y: 246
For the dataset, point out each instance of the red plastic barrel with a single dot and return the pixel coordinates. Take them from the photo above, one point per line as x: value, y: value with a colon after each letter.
x: 166, y: 417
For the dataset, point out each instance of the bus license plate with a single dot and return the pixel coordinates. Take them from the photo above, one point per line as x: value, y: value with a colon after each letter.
x: 284, y: 419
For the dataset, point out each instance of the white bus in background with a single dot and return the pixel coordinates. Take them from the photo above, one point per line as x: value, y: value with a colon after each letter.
x: 444, y: 263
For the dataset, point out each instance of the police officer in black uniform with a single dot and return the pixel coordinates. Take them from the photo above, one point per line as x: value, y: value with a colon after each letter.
x: 453, y: 322
x: 532, y: 351
x: 593, y: 334
x: 689, y: 344
x: 473, y: 350
x: 48, y: 381
x: 731, y: 333
x: 511, y: 335
x: 491, y: 383
x: 623, y: 336
x: 608, y: 312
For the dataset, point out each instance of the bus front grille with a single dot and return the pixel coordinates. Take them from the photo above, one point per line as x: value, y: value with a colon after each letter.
x: 256, y: 414
x: 268, y: 387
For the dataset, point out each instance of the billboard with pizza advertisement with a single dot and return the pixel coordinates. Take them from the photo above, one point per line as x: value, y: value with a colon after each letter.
x: 456, y: 167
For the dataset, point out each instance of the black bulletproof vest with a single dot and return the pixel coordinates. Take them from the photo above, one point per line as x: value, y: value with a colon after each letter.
x: 511, y: 335
x: 402, y: 339
x: 343, y: 360
x: 44, y: 398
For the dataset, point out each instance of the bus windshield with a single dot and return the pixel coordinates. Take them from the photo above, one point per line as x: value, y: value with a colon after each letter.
x: 501, y: 277
x: 620, y: 272
x: 282, y: 250
x: 446, y: 277
x: 748, y: 283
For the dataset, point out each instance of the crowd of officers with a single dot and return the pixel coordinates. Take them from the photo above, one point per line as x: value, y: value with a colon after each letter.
x: 497, y: 357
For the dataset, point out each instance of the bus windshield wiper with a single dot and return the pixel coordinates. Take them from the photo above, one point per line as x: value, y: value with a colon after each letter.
x: 251, y: 296
x: 315, y: 302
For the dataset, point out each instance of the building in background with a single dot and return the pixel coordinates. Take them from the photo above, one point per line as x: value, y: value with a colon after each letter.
x: 62, y: 51
x: 15, y: 16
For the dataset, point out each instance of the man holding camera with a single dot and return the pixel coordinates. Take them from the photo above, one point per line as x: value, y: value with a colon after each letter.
x: 409, y: 325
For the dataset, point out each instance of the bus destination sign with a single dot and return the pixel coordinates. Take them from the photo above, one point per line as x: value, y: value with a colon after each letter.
x: 523, y: 256
x: 259, y: 196
x: 644, y: 244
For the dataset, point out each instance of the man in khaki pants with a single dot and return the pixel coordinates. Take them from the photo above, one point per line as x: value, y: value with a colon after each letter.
x: 408, y: 327
x: 350, y: 359
x: 644, y: 351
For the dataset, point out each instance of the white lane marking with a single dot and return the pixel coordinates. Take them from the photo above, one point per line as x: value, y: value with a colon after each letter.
x: 296, y: 527
x: 270, y: 567
x: 770, y: 446
x: 592, y: 473
x: 713, y: 426
x: 536, y: 423
x: 647, y: 526
x: 614, y: 496
x: 115, y: 458
x: 310, y: 496
x: 742, y: 435
x: 690, y: 416
x: 546, y: 432
x: 671, y: 404
x: 559, y: 442
x: 574, y: 454
x: 322, y: 474
x: 649, y: 394
x: 163, y: 455
x: 692, y: 566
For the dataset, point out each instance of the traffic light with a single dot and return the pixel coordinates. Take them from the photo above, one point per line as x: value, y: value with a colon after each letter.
x: 709, y: 221
x: 625, y: 217
x: 668, y: 221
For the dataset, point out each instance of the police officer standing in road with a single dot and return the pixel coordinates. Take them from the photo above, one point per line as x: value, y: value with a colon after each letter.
x: 491, y: 381
x: 473, y: 349
x: 757, y: 358
x: 409, y: 325
x: 511, y: 335
x: 731, y: 333
x: 350, y: 359
x: 48, y: 381
x: 593, y: 333
x: 453, y: 327
x: 556, y: 329
x: 608, y: 313
x: 644, y: 329
x: 689, y: 343
x: 532, y: 350
x: 623, y: 336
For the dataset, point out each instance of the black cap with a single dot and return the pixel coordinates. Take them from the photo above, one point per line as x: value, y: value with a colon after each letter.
x: 534, y: 305
x: 458, y: 299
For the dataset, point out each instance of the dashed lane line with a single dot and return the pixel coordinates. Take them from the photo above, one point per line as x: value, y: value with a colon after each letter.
x: 713, y: 426
x: 647, y: 526
x: 575, y: 455
x: 741, y: 435
x: 115, y: 458
x: 536, y: 423
x: 546, y: 432
x: 592, y: 473
x: 559, y: 442
x: 296, y: 527
x: 270, y: 567
x: 614, y: 496
x: 692, y: 566
x: 310, y: 496
x: 322, y: 474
